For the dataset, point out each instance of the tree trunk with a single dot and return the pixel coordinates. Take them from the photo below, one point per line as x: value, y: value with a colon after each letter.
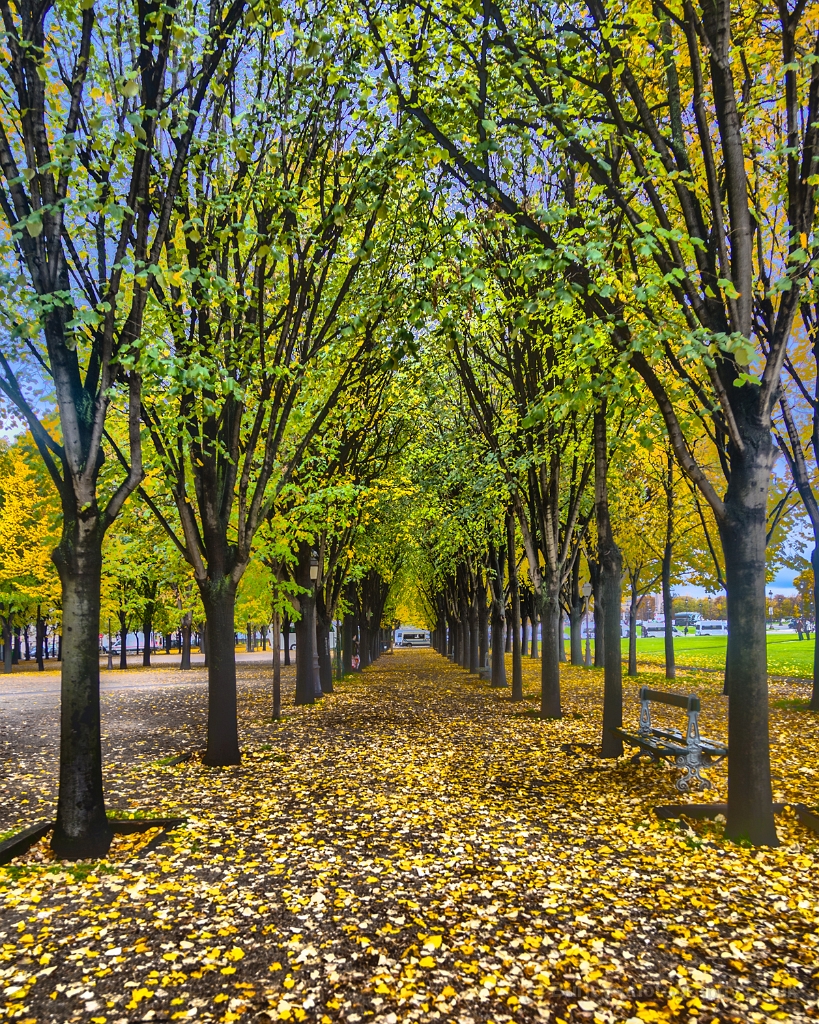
x: 323, y: 645
x: 498, y: 630
x: 7, y: 652
x: 550, y: 663
x: 15, y: 654
x: 347, y: 644
x: 576, y: 631
x: 219, y: 599
x: 40, y: 640
x: 286, y: 638
x: 507, y: 642
x: 81, y: 829
x: 561, y: 638
x: 668, y: 614
x: 185, y: 637
x: 363, y: 643
x: 147, y: 630
x: 533, y: 645
x: 483, y: 626
x: 277, y: 669
x: 524, y: 633
x: 514, y: 592
x: 466, y: 637
x: 123, y: 641
x: 306, y: 625
x: 609, y: 584
x: 743, y: 534
x: 474, y: 636
x: 632, y: 631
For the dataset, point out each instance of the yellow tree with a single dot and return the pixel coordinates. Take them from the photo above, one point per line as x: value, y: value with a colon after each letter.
x: 28, y: 515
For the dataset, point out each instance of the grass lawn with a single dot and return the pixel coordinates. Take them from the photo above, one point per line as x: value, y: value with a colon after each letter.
x: 787, y: 655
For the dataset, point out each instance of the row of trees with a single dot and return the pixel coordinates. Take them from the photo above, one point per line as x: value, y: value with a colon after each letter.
x: 637, y: 189
x: 250, y: 249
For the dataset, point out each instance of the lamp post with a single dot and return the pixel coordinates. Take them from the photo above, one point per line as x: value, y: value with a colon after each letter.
x: 770, y: 606
x: 110, y: 652
x: 586, y: 590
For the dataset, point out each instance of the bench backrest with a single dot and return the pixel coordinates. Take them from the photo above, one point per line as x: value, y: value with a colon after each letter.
x: 688, y: 702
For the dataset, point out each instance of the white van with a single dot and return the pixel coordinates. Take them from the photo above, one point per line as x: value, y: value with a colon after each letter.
x: 713, y: 627
x: 655, y: 629
x: 412, y: 637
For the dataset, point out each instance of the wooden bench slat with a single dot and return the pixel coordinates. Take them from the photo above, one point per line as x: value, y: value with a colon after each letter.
x: 676, y: 700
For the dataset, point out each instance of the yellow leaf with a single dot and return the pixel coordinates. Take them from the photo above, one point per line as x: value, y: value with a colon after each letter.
x: 426, y: 961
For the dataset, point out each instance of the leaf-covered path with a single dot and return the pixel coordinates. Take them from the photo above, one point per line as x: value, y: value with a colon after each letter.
x: 415, y: 847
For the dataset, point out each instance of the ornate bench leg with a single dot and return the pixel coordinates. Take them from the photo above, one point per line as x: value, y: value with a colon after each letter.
x: 692, y: 777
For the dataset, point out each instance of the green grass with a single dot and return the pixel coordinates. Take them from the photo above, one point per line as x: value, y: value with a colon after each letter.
x: 787, y: 655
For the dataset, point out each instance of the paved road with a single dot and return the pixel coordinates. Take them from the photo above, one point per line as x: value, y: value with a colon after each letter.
x: 163, y: 672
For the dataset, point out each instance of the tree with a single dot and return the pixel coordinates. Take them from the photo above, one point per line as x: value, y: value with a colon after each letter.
x: 261, y: 320
x: 28, y: 530
x: 92, y: 151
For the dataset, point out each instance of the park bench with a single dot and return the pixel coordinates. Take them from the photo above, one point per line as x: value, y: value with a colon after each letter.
x: 690, y: 751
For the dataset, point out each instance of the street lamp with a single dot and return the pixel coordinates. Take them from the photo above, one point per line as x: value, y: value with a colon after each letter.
x: 586, y: 590
x: 770, y: 606
x: 314, y: 565
x: 110, y: 652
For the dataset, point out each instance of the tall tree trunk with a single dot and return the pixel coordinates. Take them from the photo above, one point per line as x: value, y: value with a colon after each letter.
x: 561, y: 636
x: 219, y: 599
x: 185, y: 636
x: 668, y: 614
x: 814, y: 561
x: 277, y: 668
x: 576, y: 629
x: 15, y: 657
x: 364, y: 646
x: 81, y: 829
x: 40, y: 640
x: 347, y: 644
x: 306, y: 650
x: 483, y: 625
x: 286, y: 638
x: 632, y: 628
x: 498, y: 630
x: 474, y: 636
x: 147, y: 630
x: 743, y: 535
x: 534, y: 618
x: 7, y: 649
x: 323, y: 646
x: 597, y: 615
x: 550, y: 663
x: 507, y: 641
x: 524, y: 631
x: 514, y: 592
x: 123, y: 641
x: 610, y: 564
x: 466, y: 639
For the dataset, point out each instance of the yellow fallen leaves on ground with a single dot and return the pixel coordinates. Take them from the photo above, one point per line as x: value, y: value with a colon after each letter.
x: 417, y: 847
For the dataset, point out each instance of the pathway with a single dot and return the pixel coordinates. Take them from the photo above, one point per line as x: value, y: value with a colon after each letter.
x: 415, y: 847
